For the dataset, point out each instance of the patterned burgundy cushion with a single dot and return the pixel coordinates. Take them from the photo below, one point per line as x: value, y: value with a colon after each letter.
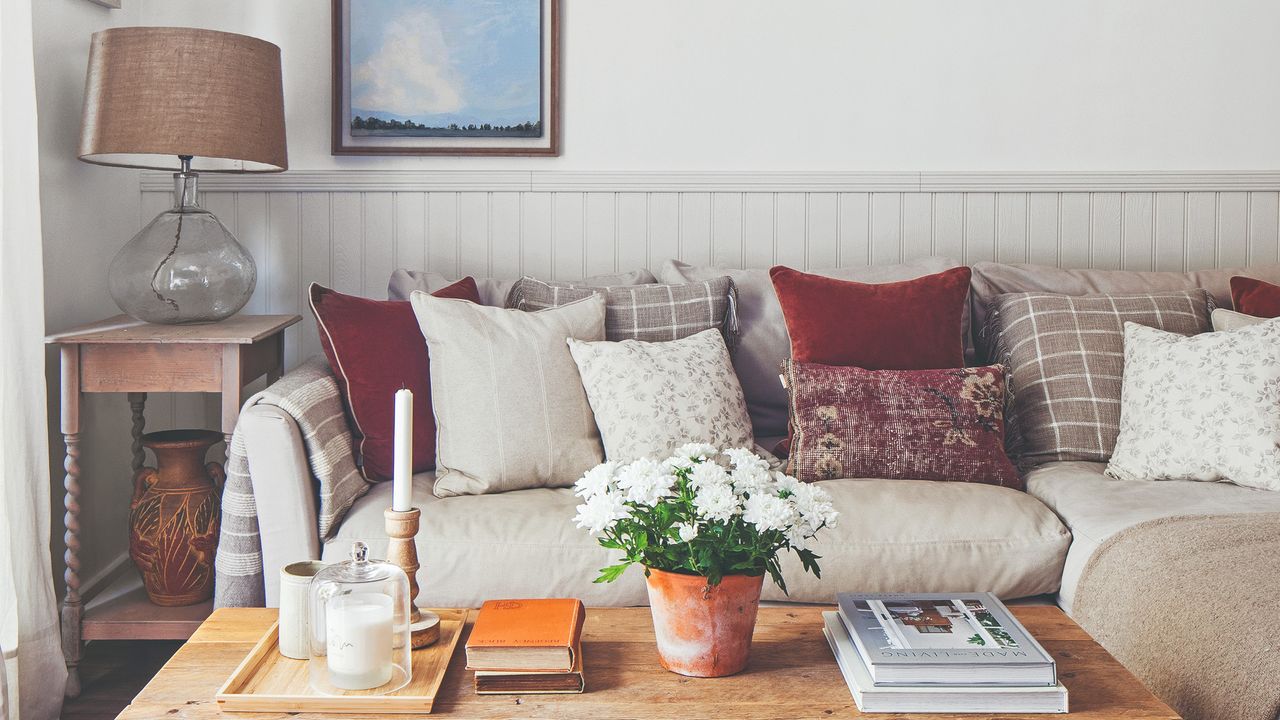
x: 899, y: 424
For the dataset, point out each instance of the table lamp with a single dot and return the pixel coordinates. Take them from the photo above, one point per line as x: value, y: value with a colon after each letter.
x: 189, y: 100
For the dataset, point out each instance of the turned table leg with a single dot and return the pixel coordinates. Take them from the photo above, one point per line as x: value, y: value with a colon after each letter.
x: 137, y: 406
x: 72, y: 606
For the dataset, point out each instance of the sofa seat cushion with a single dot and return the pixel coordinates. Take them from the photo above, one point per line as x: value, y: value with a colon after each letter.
x: 893, y: 536
x: 1095, y: 507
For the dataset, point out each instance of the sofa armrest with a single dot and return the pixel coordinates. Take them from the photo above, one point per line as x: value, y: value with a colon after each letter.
x: 283, y: 491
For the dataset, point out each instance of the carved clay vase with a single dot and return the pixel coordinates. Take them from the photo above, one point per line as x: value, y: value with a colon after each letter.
x: 703, y: 630
x: 175, y: 515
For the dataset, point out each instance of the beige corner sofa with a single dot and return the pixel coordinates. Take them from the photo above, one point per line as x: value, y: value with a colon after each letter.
x: 894, y: 535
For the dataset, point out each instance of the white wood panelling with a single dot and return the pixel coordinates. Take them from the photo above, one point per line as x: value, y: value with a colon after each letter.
x: 349, y: 230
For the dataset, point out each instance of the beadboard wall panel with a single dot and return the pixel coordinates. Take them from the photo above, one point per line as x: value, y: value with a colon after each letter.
x: 350, y: 230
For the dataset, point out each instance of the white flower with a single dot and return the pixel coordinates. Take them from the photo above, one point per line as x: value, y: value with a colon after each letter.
x: 696, y: 451
x: 769, y: 512
x: 786, y: 483
x: 751, y: 480
x: 645, y: 482
x: 745, y: 459
x: 716, y: 501
x: 601, y: 511
x: 815, y: 507
x: 687, y: 531
x: 707, y: 473
x: 596, y: 480
x: 675, y: 462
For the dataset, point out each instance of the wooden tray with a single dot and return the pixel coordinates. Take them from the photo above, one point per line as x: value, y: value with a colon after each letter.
x: 266, y: 681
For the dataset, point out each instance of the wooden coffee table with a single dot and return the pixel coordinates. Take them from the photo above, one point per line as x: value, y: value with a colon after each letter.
x: 792, y: 675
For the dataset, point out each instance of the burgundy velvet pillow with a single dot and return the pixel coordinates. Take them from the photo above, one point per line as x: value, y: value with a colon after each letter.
x: 375, y: 348
x: 909, y: 325
x: 1255, y: 297
x: 900, y: 424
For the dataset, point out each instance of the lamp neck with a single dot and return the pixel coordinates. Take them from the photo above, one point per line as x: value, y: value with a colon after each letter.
x: 185, y: 186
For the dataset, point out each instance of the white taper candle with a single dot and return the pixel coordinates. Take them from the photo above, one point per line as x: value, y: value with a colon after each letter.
x: 402, y: 478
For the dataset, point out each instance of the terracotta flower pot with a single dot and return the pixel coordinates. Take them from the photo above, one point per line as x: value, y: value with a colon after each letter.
x: 175, y: 516
x: 703, y: 631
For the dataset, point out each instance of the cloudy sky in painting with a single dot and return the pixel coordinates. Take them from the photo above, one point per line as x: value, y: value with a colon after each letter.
x: 442, y: 61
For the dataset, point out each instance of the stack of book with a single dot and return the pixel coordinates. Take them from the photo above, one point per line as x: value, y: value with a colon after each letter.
x: 940, y: 652
x: 527, y: 647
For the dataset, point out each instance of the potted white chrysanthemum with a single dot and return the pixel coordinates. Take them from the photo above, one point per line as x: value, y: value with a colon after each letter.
x: 706, y: 525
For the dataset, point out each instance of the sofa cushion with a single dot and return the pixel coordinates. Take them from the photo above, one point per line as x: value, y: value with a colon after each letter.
x: 510, y: 409
x: 650, y: 398
x: 1065, y: 358
x: 494, y: 291
x: 762, y: 336
x: 992, y: 279
x: 922, y: 424
x: 893, y: 536
x: 1227, y: 320
x: 375, y: 348
x: 1095, y: 507
x: 652, y: 312
x: 1255, y: 297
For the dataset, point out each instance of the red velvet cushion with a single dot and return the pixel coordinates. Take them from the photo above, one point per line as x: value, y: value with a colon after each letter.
x: 908, y: 325
x: 1255, y: 297
x: 902, y: 424
x: 375, y: 348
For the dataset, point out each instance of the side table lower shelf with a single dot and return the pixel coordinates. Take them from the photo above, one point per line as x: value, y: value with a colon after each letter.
x: 121, y: 611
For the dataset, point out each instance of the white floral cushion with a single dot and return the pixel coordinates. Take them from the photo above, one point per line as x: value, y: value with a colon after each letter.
x: 1205, y: 407
x: 649, y: 398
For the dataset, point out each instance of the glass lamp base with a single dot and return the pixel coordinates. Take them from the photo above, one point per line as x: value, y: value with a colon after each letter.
x: 183, y: 267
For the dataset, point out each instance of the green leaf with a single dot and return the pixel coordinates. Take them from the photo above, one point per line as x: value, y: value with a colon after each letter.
x: 613, y: 572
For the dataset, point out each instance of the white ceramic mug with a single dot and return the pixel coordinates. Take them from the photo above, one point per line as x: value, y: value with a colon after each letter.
x: 295, y: 608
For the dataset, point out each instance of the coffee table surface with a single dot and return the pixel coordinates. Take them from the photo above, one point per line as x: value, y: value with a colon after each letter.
x: 791, y: 675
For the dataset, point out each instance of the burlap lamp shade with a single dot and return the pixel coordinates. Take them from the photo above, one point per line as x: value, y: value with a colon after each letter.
x: 155, y: 93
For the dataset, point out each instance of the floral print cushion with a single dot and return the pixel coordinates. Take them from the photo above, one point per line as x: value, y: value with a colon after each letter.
x: 898, y: 424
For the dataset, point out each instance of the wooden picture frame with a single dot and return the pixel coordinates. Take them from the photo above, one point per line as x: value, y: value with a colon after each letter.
x: 514, y: 139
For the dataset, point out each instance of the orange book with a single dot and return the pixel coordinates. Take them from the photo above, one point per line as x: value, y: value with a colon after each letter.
x: 526, y: 635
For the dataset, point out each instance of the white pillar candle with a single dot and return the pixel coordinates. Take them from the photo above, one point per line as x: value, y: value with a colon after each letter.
x: 358, y: 640
x: 402, y: 478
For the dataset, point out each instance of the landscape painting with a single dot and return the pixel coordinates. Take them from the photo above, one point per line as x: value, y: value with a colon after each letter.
x: 460, y: 77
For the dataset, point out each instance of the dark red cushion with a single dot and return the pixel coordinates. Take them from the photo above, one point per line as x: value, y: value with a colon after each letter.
x: 909, y: 325
x: 1255, y: 297
x: 899, y: 424
x: 375, y: 348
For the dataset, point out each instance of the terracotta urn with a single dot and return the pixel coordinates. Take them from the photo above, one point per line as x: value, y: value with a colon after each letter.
x: 175, y: 515
x: 703, y: 630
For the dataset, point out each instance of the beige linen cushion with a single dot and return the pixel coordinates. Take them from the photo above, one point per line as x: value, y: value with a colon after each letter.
x: 509, y: 405
x: 992, y: 279
x: 494, y: 291
x: 1065, y: 360
x: 762, y: 335
x: 1228, y: 320
x: 650, y: 398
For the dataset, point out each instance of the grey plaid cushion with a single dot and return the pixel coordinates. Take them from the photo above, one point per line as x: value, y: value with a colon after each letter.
x: 652, y: 313
x: 1065, y: 356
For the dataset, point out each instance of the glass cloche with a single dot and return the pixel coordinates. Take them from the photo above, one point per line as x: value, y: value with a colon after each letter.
x: 360, y: 615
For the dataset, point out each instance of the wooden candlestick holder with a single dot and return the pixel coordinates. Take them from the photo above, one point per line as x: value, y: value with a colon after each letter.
x: 402, y: 528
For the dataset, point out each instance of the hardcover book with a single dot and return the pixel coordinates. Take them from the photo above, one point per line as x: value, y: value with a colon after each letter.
x: 943, y: 639
x: 491, y: 682
x: 874, y: 698
x: 526, y: 635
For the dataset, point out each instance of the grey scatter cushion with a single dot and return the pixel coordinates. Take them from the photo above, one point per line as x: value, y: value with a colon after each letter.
x: 493, y: 291
x: 762, y: 334
x: 652, y: 313
x: 1228, y: 320
x: 991, y: 280
x: 1201, y: 408
x: 1065, y: 360
x: 510, y: 409
x: 650, y: 398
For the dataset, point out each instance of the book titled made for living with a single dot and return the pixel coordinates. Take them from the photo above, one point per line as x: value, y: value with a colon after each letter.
x: 943, y: 638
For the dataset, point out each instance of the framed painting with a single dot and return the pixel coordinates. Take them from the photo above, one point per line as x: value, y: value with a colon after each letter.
x: 446, y: 77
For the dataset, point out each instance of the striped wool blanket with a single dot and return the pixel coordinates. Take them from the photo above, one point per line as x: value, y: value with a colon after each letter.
x: 309, y: 394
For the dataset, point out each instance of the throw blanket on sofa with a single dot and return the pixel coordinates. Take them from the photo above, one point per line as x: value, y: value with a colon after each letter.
x: 310, y: 395
x: 1188, y: 604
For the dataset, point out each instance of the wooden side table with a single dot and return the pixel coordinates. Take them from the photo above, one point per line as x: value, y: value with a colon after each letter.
x: 124, y: 355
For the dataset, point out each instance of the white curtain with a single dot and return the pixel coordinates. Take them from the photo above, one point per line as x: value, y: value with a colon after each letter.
x: 34, y: 676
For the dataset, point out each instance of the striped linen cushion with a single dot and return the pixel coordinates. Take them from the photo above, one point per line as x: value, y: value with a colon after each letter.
x: 650, y: 313
x: 1065, y: 356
